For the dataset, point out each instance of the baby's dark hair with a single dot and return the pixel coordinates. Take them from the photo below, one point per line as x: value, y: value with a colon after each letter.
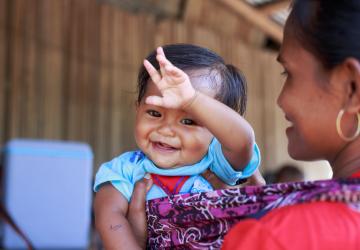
x: 232, y: 91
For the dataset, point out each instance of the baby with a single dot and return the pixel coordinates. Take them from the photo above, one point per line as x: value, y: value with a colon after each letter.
x: 188, y: 120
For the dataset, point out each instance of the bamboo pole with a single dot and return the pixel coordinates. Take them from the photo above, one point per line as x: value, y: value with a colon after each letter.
x: 256, y: 18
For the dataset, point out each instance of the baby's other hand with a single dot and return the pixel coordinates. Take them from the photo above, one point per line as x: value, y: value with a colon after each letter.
x: 173, y: 83
x: 255, y: 180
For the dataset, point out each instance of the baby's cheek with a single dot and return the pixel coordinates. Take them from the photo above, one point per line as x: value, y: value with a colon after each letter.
x: 140, y: 134
x: 142, y: 128
x: 201, y: 143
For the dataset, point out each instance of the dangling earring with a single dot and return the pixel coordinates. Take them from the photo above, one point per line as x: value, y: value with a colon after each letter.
x: 338, y: 126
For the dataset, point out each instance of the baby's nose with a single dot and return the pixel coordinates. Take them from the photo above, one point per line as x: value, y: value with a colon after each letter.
x: 166, y: 130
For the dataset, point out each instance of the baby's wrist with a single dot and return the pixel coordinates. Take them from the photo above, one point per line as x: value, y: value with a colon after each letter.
x: 189, y: 102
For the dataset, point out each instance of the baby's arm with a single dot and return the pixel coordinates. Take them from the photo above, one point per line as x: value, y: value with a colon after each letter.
x: 231, y: 129
x: 233, y: 132
x: 111, y: 208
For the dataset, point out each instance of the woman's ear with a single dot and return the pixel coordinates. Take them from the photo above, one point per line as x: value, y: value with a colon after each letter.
x: 352, y: 67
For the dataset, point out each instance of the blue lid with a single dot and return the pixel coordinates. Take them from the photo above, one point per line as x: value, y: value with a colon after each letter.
x: 49, y: 148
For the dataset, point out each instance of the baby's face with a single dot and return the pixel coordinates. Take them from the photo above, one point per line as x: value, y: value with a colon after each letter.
x: 171, y: 138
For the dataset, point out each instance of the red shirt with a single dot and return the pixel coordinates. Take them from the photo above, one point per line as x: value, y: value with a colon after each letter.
x: 317, y: 225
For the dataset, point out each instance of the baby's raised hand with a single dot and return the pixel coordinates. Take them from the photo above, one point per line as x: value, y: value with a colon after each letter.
x: 173, y: 83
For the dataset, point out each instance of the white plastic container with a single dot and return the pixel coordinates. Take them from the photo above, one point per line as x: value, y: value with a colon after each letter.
x: 47, y: 191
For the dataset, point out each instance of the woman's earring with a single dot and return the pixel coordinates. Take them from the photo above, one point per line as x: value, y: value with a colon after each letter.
x: 338, y: 126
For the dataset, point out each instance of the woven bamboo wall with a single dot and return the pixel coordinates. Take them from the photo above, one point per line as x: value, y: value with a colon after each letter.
x: 2, y: 67
x: 68, y: 71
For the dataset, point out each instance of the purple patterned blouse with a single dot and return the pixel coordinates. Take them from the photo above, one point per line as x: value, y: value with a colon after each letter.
x: 200, y: 221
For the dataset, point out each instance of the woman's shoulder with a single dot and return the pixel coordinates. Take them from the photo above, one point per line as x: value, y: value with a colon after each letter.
x: 316, y: 225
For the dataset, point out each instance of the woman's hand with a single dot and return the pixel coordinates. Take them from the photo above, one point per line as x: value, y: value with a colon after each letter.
x: 136, y: 212
x: 173, y: 83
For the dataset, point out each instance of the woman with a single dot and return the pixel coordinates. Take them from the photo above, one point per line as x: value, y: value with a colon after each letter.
x: 321, y: 100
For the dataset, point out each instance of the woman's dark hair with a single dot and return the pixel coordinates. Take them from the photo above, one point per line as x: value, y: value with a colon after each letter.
x: 232, y: 90
x: 329, y: 29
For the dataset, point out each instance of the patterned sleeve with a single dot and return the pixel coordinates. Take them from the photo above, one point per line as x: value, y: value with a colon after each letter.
x: 222, y: 168
x: 119, y: 172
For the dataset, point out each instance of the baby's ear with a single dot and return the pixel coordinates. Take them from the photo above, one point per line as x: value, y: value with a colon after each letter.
x: 353, y: 85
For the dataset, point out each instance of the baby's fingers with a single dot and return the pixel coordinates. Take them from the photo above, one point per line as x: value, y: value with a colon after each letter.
x: 161, y: 58
x: 153, y: 73
x: 166, y: 67
x: 175, y: 72
x: 163, y: 62
x: 160, y: 51
x: 154, y: 100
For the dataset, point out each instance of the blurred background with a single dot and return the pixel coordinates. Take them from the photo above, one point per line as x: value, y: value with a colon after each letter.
x: 68, y: 68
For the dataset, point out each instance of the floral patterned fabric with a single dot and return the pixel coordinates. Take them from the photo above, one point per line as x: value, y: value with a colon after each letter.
x: 200, y: 221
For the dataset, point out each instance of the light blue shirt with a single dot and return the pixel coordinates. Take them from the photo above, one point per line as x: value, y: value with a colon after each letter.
x: 125, y: 170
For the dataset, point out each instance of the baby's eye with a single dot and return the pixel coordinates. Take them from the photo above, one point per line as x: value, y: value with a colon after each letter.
x: 188, y: 122
x: 153, y: 113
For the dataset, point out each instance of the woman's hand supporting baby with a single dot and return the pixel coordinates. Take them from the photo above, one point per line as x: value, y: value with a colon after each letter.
x: 122, y: 225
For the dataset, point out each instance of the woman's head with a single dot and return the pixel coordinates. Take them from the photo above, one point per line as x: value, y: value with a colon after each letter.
x: 320, y: 55
x: 328, y: 29
x: 228, y: 83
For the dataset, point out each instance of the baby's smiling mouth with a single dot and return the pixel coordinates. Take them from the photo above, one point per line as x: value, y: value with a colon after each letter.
x: 163, y: 146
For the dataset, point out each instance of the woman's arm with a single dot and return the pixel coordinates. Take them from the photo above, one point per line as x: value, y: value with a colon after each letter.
x: 110, y: 208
